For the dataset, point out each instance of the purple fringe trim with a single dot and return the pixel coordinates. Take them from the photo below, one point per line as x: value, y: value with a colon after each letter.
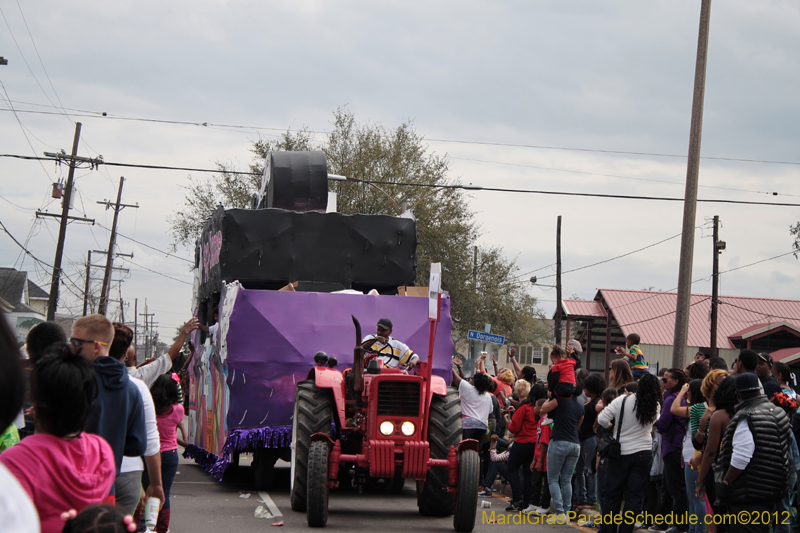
x: 241, y: 440
x: 209, y: 462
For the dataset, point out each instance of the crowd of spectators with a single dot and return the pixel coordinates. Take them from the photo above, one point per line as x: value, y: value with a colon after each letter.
x: 86, y: 439
x: 681, y: 449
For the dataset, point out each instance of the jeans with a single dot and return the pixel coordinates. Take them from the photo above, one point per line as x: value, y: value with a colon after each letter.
x: 676, y: 485
x: 495, y: 467
x: 562, y: 456
x: 584, y: 473
x: 626, y: 480
x: 521, y: 454
x: 782, y: 507
x: 169, y: 467
x: 696, y: 506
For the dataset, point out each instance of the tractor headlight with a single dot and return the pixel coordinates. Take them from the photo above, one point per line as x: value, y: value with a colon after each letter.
x: 387, y: 427
x: 408, y: 428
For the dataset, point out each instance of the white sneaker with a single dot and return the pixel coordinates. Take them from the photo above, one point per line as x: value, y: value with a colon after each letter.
x: 542, y: 511
x: 562, y: 519
x: 529, y: 509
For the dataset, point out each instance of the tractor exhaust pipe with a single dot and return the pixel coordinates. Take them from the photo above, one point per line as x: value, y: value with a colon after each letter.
x: 358, y: 363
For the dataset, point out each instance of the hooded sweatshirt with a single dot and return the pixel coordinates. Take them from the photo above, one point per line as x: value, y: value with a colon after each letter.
x: 61, y: 474
x: 118, y: 412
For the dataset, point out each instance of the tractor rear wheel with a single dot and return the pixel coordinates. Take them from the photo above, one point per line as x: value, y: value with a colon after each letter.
x: 317, y: 488
x: 312, y: 414
x: 444, y: 430
x: 469, y: 470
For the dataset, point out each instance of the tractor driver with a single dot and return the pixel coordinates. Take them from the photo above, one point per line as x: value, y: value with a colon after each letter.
x: 391, y: 352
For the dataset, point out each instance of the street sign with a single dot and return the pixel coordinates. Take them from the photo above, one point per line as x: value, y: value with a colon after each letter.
x: 485, y: 337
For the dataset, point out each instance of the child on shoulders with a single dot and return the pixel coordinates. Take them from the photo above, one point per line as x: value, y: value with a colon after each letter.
x: 634, y: 355
x: 561, y: 379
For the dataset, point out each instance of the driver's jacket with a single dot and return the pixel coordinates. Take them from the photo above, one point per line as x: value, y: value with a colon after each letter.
x: 393, y: 354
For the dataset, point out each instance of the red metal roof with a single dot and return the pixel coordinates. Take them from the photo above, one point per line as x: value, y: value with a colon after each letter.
x: 787, y: 355
x: 583, y: 308
x: 759, y: 329
x: 652, y: 315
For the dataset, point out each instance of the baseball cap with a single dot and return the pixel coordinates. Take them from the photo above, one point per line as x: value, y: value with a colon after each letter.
x: 767, y: 358
x: 385, y: 323
x: 747, y: 382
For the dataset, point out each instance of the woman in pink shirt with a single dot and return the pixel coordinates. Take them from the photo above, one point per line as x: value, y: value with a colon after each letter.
x: 169, y: 417
x: 60, y: 466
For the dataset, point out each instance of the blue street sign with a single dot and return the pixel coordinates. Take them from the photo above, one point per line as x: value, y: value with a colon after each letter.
x: 485, y: 337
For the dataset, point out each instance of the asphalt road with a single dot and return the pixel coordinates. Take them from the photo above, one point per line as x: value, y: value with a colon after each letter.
x: 201, y: 505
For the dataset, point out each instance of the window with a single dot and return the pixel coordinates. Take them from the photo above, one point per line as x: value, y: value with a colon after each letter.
x: 528, y: 355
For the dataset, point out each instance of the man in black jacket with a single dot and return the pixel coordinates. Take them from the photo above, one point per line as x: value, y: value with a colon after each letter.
x: 752, y: 471
x: 764, y: 373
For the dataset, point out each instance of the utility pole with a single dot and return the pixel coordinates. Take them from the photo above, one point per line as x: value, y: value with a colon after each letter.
x: 135, y: 324
x: 121, y: 306
x: 558, y: 281
x: 52, y: 301
x: 103, y: 307
x: 718, y: 247
x: 146, y: 330
x: 690, y: 198
x: 86, y: 288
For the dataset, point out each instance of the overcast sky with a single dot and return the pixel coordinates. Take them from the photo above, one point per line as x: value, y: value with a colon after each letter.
x: 590, y: 75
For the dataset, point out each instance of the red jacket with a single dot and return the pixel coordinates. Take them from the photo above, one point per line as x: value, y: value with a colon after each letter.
x: 523, y: 424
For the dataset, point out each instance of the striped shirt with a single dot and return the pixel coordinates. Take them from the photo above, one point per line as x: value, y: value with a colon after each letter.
x: 639, y: 363
x: 394, y: 353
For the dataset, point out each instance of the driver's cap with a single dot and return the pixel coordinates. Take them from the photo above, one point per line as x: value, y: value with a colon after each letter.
x: 385, y: 323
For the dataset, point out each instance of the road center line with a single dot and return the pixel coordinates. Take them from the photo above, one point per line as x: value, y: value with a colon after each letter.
x: 270, y: 504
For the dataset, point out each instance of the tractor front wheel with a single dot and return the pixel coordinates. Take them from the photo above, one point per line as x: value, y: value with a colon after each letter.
x: 317, y: 487
x: 313, y: 407
x: 469, y: 471
x: 444, y: 430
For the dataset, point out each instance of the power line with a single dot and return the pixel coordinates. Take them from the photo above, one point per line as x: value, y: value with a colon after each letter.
x: 29, y: 253
x: 757, y: 262
x: 22, y: 127
x: 620, y: 152
x: 159, y: 273
x: 451, y: 186
x: 148, y: 246
x: 36, y: 49
x: 723, y: 302
x: 582, y: 172
x: 617, y: 257
x: 15, y: 205
x: 662, y: 316
x: 105, y: 115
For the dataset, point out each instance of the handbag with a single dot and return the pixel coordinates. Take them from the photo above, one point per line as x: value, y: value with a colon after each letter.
x: 607, y: 445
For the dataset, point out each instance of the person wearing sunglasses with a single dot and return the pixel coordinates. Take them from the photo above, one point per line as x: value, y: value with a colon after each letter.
x: 118, y: 412
x: 673, y: 431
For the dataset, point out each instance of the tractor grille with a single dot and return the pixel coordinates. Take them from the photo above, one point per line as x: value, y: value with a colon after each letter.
x: 398, y: 398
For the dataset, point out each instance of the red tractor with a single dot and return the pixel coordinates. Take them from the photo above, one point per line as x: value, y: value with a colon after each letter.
x: 392, y: 425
